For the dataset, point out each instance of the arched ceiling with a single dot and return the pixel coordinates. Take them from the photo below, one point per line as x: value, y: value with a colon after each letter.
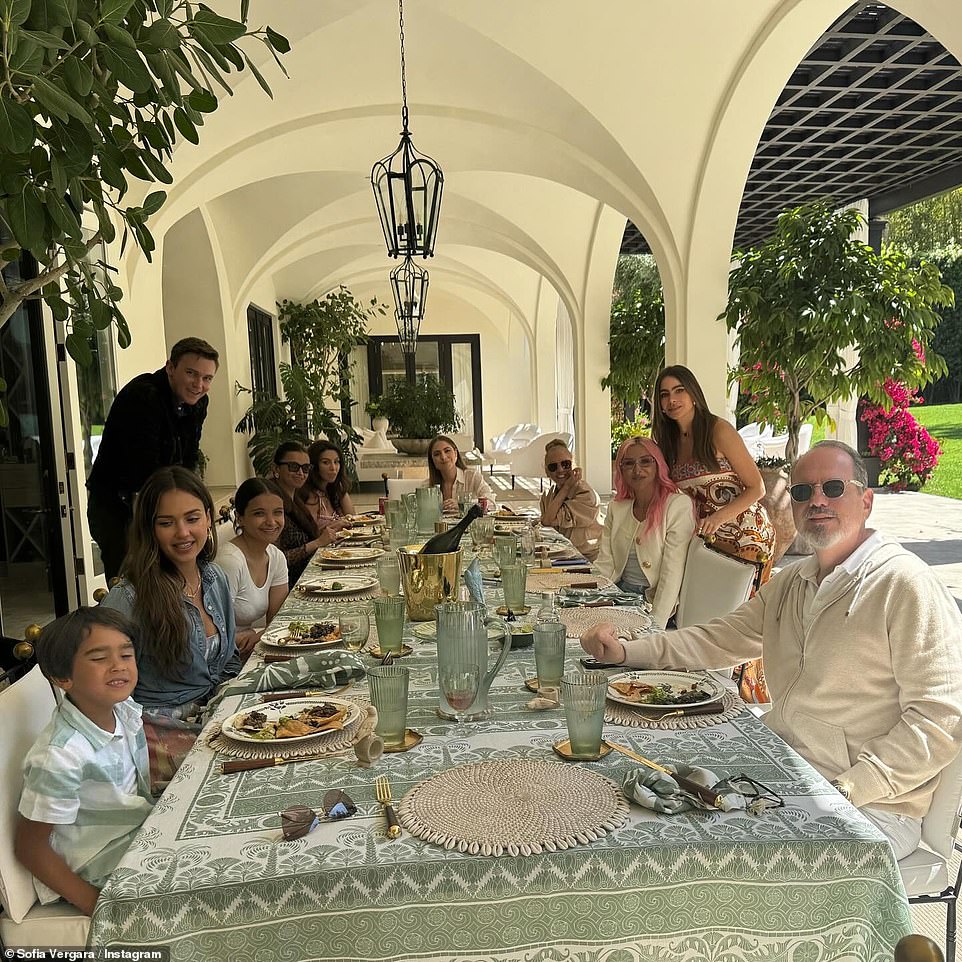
x: 542, y: 114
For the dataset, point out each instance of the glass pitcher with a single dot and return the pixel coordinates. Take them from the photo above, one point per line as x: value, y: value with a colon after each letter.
x: 462, y: 646
x: 429, y: 508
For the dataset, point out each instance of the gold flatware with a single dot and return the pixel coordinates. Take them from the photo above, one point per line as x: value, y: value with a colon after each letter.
x: 382, y: 790
x: 249, y: 764
x: 685, y: 784
x: 288, y: 695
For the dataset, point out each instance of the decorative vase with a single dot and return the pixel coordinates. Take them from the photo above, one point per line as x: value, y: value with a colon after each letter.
x: 778, y: 503
x: 412, y: 446
x: 380, y: 425
x: 873, y: 465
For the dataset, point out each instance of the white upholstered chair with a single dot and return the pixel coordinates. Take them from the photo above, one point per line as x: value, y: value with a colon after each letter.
x: 528, y: 461
x: 925, y: 872
x: 714, y: 584
x: 25, y: 709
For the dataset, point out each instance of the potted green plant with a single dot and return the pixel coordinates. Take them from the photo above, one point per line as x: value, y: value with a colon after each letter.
x: 417, y: 412
x: 379, y: 420
x: 802, y: 298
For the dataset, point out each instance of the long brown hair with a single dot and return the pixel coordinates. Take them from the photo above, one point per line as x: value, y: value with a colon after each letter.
x: 666, y: 432
x: 434, y: 475
x: 159, y: 602
x: 294, y: 509
x: 335, y: 490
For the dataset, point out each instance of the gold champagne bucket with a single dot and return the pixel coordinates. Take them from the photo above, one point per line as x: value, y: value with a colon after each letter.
x: 428, y: 580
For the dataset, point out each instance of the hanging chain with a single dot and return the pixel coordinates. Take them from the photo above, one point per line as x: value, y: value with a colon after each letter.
x: 404, y: 84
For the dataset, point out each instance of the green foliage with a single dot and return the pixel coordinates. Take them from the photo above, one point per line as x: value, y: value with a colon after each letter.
x: 419, y: 410
x: 92, y: 93
x: 322, y: 335
x: 811, y: 291
x: 944, y: 423
x: 927, y: 225
x: 622, y: 430
x: 636, y: 341
x: 948, y: 335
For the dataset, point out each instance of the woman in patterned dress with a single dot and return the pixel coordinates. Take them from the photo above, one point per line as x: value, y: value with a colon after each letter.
x: 709, y: 461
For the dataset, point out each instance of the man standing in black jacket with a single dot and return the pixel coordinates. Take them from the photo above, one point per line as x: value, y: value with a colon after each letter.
x: 154, y: 422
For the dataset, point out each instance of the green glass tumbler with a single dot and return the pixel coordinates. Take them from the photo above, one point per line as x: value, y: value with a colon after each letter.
x: 505, y: 549
x: 514, y: 580
x: 389, y: 618
x: 389, y: 695
x: 549, y: 654
x: 583, y: 697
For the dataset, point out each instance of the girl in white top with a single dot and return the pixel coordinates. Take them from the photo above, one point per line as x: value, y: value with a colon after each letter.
x: 446, y: 469
x: 255, y: 567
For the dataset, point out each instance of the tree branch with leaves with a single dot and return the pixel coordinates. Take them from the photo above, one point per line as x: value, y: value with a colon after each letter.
x: 92, y: 93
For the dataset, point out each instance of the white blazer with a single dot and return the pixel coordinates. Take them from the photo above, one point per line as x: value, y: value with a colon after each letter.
x: 661, y: 554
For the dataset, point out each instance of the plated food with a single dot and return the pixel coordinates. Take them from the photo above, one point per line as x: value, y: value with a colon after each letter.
x: 360, y: 532
x: 341, y: 585
x: 663, y: 689
x: 290, y: 721
x: 303, y: 634
x: 345, y: 555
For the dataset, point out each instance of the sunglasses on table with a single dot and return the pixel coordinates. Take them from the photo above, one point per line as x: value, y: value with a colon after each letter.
x: 554, y: 465
x: 833, y: 489
x: 294, y: 466
x: 298, y: 820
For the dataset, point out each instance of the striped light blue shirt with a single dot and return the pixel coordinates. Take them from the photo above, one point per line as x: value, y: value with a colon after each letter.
x: 91, y: 785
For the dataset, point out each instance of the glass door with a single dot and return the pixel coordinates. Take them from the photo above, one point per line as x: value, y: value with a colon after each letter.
x: 85, y: 397
x: 34, y: 588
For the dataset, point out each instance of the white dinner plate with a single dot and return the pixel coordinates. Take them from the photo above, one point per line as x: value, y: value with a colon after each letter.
x: 553, y: 550
x: 678, y: 680
x: 334, y: 585
x: 362, y: 532
x: 274, y: 710
x: 347, y: 555
x: 278, y: 636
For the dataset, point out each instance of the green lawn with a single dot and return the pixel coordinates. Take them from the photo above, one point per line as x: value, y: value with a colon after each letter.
x: 944, y: 422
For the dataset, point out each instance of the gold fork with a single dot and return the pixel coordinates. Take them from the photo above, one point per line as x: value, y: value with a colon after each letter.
x: 383, y: 792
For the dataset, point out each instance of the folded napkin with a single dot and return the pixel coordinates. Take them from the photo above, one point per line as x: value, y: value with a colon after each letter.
x: 660, y: 792
x: 574, y: 597
x: 326, y: 669
x: 474, y: 581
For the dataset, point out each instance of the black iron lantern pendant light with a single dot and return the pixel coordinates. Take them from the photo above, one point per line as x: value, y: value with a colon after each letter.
x: 407, y: 187
x: 410, y: 285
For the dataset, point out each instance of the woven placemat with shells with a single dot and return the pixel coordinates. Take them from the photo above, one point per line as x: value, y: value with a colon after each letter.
x: 618, y: 714
x: 327, y: 743
x: 519, y: 807
x: 555, y: 580
x: 579, y: 620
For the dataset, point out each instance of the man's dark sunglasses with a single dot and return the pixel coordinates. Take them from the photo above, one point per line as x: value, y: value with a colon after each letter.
x: 559, y: 464
x: 293, y: 466
x: 835, y: 488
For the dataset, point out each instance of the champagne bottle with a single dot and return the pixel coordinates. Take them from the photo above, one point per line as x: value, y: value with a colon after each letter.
x: 449, y: 540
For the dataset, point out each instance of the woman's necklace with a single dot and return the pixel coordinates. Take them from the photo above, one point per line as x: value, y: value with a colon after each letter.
x: 191, y: 592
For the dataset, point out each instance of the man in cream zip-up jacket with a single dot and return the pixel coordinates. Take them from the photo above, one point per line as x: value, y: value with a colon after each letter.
x: 862, y: 648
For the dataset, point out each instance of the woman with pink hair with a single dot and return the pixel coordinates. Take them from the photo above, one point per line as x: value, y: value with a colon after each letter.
x: 647, y: 530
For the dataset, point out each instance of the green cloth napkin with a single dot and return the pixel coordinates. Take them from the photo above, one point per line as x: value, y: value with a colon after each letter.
x: 573, y: 597
x: 660, y: 792
x: 326, y: 669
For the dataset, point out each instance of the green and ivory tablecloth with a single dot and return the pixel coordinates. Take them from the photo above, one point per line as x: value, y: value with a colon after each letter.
x: 210, y: 877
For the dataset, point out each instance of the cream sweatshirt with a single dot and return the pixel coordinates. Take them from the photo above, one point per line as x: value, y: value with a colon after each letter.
x: 871, y: 693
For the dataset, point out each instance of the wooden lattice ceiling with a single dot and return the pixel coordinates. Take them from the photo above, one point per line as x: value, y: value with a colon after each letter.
x: 874, y: 111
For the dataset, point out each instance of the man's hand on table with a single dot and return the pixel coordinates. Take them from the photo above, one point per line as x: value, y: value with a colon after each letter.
x: 603, y: 644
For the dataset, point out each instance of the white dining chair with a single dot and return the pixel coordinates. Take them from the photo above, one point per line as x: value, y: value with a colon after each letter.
x: 713, y: 585
x: 925, y: 872
x: 25, y: 709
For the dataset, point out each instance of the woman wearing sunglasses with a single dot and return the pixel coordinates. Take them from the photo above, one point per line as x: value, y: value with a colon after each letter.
x: 709, y: 461
x: 572, y: 506
x: 446, y: 469
x: 647, y: 530
x: 300, y: 537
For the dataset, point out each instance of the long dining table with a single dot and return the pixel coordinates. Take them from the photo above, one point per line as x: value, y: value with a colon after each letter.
x: 211, y: 877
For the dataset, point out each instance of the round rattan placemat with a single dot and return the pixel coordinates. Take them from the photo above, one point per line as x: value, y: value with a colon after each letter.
x: 519, y: 807
x: 618, y: 714
x: 325, y: 599
x: 579, y: 620
x: 324, y: 744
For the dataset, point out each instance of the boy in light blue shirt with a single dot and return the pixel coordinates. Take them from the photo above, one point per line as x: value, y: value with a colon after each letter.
x: 86, y: 786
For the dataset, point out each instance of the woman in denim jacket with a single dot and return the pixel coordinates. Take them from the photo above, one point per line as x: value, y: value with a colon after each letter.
x: 182, y: 604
